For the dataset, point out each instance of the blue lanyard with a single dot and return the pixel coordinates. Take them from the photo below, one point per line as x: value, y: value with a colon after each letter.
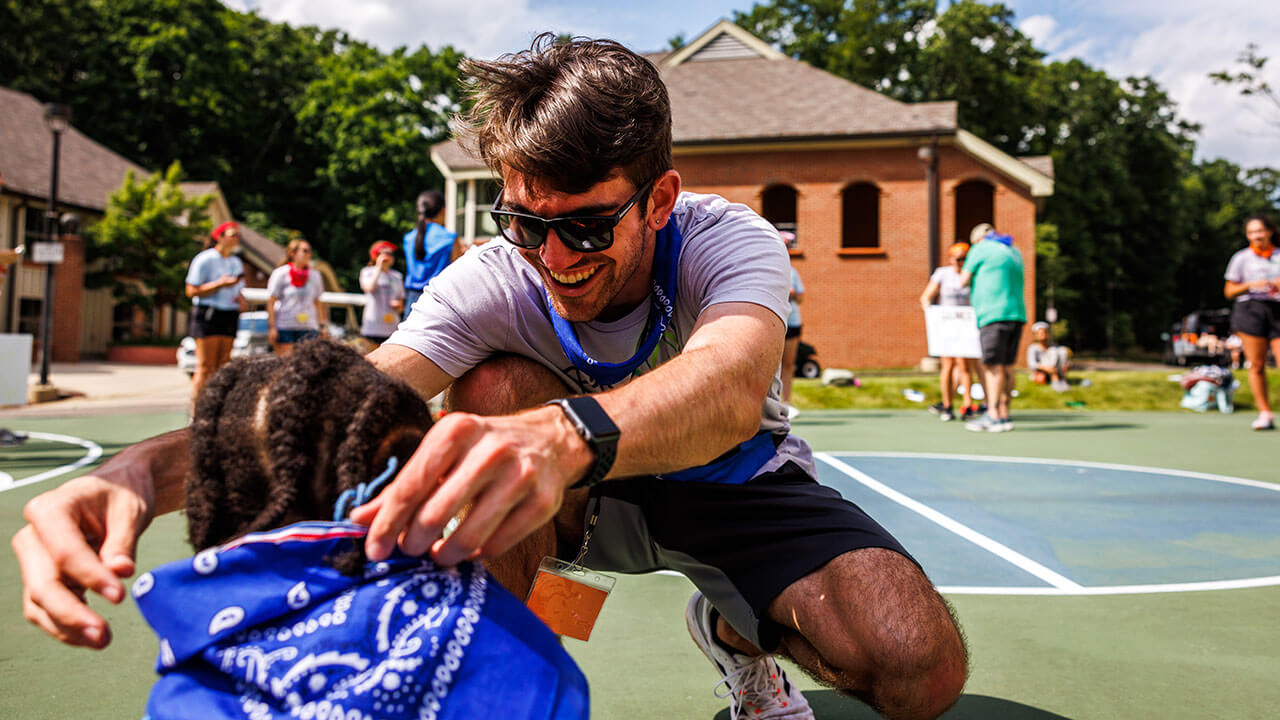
x: 662, y: 305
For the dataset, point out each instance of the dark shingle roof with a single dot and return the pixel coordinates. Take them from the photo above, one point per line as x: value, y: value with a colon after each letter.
x: 777, y: 99
x: 87, y: 172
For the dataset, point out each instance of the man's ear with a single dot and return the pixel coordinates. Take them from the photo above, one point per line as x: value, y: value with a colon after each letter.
x: 662, y: 199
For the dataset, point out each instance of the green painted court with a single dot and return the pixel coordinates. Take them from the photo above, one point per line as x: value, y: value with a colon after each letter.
x: 1104, y: 565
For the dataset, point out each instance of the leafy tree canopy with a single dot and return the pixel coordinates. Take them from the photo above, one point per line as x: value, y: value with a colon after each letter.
x: 142, y: 246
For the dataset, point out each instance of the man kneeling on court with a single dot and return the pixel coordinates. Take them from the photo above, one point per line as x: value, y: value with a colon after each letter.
x: 653, y: 322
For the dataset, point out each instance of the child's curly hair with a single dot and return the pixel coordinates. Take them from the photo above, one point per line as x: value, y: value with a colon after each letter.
x: 276, y: 440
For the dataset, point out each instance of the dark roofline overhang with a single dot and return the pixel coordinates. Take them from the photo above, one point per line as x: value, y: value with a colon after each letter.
x: 786, y: 141
x: 26, y: 196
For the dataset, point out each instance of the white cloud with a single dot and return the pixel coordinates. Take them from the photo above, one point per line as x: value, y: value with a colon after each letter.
x: 482, y: 28
x: 1181, y: 53
x: 1042, y: 31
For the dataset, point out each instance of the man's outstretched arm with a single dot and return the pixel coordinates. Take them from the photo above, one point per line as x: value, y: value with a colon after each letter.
x: 508, y: 474
x: 82, y: 536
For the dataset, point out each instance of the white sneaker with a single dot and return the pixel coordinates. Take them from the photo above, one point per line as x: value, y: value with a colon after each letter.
x: 755, y: 686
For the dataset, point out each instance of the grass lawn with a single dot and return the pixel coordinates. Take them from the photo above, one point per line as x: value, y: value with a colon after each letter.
x: 1105, y: 390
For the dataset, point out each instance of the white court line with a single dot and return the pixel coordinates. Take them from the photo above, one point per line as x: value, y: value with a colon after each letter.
x: 1242, y: 583
x: 1074, y: 463
x: 95, y: 451
x: 1002, y: 551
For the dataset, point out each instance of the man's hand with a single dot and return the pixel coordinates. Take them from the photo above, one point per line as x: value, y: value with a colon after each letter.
x: 81, y: 536
x: 505, y: 475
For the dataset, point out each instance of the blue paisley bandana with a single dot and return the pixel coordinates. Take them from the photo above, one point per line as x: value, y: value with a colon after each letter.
x: 264, y: 628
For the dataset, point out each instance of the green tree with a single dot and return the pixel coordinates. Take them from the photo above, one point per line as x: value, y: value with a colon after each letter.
x: 142, y: 246
x: 875, y: 43
x: 377, y: 116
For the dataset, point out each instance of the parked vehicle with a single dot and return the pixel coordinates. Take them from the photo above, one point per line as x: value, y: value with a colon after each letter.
x: 807, y: 361
x: 1199, y: 338
x: 251, y: 339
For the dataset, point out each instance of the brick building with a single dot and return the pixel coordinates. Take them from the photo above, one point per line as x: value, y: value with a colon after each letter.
x: 848, y: 170
x: 85, y: 321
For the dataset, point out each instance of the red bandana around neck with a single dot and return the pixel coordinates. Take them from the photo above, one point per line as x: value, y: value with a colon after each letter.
x: 1266, y: 254
x: 297, y: 275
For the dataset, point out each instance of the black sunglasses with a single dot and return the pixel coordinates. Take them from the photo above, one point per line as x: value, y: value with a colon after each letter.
x: 586, y: 233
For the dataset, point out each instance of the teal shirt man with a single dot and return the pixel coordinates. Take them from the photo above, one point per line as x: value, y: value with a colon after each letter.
x: 996, y: 269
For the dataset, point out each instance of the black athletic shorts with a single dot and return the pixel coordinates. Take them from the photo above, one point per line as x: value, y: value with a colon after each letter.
x: 742, y: 545
x: 793, y: 332
x: 207, y: 321
x: 1000, y: 342
x: 1260, y: 318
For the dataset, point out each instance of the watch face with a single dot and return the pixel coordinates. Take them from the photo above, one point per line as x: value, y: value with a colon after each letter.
x: 594, y: 419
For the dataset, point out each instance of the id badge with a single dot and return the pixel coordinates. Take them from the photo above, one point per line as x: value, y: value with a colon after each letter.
x: 568, y: 597
x: 302, y: 317
x: 388, y: 318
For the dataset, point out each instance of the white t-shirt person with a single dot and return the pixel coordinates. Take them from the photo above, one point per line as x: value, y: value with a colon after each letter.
x: 380, y: 319
x: 950, y: 291
x: 295, y: 304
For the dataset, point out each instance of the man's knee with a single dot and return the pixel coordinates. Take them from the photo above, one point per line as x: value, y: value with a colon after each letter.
x: 504, y: 384
x: 892, y: 640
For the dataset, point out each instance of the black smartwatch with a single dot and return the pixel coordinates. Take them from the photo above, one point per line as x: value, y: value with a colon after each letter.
x: 597, y: 429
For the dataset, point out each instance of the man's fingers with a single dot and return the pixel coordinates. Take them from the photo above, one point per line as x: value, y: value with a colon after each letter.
x: 120, y: 544
x: 67, y: 548
x: 516, y: 526
x: 415, y: 483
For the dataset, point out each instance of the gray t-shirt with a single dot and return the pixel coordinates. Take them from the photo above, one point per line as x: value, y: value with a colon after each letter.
x: 379, y: 319
x: 295, y: 304
x: 491, y: 300
x: 1246, y: 266
x: 950, y: 291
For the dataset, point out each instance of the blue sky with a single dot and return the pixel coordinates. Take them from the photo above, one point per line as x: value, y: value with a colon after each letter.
x: 1178, y: 42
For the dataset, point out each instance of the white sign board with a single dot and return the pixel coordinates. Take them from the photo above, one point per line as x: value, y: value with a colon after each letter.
x: 15, y: 368
x: 952, y: 331
x: 47, y: 252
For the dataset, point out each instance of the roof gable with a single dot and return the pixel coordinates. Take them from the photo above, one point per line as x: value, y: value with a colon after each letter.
x: 87, y: 172
x: 723, y: 41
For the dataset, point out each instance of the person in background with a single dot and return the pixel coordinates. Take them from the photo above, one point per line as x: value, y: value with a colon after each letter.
x: 1047, y: 362
x: 428, y: 248
x: 383, y: 290
x: 944, y: 286
x: 214, y: 281
x: 294, y: 310
x: 1253, y: 281
x: 794, y: 324
x: 993, y: 269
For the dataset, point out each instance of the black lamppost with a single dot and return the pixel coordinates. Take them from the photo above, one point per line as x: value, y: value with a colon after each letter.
x: 928, y: 154
x: 57, y: 117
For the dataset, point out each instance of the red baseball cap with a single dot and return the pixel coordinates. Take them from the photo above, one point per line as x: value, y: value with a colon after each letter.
x: 229, y: 225
x: 381, y: 246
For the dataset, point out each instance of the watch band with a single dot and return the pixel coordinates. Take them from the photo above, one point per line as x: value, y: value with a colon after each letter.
x: 596, y: 428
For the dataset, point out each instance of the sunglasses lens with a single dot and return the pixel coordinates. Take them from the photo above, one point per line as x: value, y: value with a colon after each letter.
x: 522, y: 232
x: 586, y: 235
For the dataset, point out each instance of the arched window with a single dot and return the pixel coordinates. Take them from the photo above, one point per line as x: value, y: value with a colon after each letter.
x: 779, y: 206
x: 975, y: 204
x: 860, y: 215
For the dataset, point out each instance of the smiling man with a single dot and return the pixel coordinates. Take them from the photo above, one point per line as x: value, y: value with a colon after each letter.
x: 614, y: 370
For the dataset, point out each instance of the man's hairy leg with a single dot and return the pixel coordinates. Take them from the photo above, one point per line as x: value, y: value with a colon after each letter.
x: 501, y: 385
x: 871, y: 624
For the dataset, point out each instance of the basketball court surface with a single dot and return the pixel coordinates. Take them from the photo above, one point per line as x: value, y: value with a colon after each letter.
x: 1103, y: 565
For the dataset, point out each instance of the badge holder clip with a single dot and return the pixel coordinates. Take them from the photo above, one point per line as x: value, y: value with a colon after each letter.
x: 567, y: 596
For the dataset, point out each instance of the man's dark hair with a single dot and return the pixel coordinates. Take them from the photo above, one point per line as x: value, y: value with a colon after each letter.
x: 430, y: 203
x: 569, y: 113
x: 276, y: 440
